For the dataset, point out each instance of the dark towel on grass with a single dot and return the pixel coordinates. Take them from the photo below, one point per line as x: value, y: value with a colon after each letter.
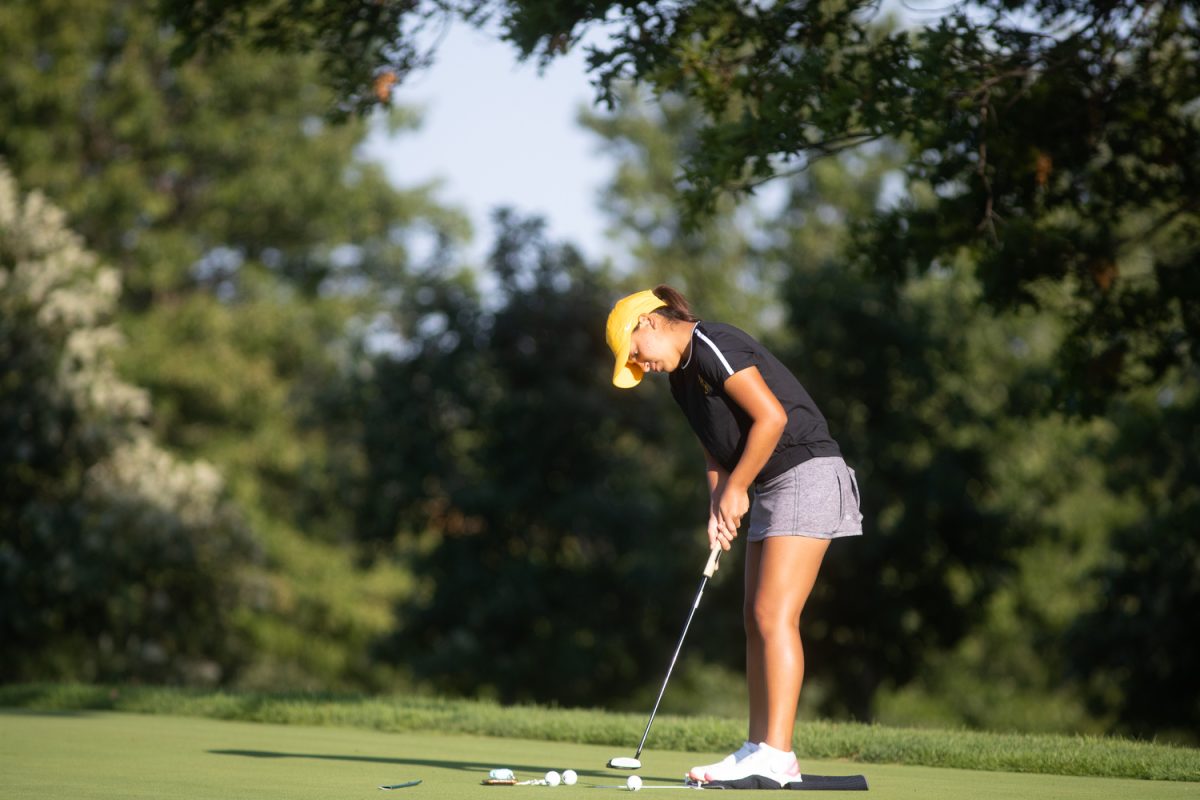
x: 853, y: 783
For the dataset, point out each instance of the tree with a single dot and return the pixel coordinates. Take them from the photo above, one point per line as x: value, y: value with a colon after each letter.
x: 896, y: 373
x: 116, y: 559
x: 1133, y: 646
x: 555, y: 515
x: 253, y: 245
x: 1050, y: 151
x: 1023, y: 549
x: 1060, y: 135
x: 188, y: 177
x: 714, y: 265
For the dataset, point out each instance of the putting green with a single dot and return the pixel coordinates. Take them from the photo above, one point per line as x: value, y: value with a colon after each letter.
x: 129, y: 756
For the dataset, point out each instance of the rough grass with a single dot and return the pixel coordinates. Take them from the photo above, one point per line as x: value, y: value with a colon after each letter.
x: 1045, y: 754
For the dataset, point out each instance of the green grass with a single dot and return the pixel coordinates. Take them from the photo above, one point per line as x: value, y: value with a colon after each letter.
x: 103, y: 755
x: 863, y: 744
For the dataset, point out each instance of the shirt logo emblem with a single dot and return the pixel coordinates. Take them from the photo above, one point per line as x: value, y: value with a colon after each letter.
x: 704, y: 385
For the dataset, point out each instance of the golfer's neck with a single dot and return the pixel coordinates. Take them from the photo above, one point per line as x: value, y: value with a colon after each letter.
x: 683, y: 333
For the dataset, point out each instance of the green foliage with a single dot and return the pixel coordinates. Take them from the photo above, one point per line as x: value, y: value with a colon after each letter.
x: 362, y: 52
x: 1070, y: 162
x: 181, y: 174
x: 1013, y: 671
x: 1055, y: 155
x: 995, y: 303
x: 1014, y: 524
x: 569, y: 566
x: 117, y: 559
x: 1135, y: 642
x: 713, y: 265
x: 903, y: 384
x: 251, y: 242
x: 1090, y: 635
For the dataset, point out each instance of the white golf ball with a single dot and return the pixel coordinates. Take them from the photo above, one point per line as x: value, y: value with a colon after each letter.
x: 569, y: 777
x: 552, y: 778
x: 634, y: 783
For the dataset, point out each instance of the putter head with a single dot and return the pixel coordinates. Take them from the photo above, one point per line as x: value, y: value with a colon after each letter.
x: 621, y: 762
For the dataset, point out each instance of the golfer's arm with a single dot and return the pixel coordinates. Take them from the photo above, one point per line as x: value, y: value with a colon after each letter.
x: 748, y: 389
x: 715, y: 474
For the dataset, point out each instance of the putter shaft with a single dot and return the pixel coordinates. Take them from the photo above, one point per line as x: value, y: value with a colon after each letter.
x: 709, y: 569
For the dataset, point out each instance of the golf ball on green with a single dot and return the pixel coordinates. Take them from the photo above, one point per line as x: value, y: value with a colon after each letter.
x: 553, y: 778
x: 569, y: 777
x: 634, y: 783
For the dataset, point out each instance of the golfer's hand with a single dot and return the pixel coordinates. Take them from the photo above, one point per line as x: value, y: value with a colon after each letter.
x: 726, y: 516
x: 714, y: 538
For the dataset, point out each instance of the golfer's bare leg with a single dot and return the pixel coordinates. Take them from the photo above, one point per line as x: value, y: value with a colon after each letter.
x: 784, y: 571
x: 756, y: 678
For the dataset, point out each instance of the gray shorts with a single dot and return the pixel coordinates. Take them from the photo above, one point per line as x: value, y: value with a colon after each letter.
x: 817, y: 498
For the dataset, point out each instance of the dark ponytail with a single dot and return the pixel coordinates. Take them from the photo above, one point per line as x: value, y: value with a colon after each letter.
x: 676, y: 305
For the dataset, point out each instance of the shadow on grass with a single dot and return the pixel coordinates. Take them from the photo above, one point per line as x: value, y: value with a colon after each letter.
x: 478, y: 767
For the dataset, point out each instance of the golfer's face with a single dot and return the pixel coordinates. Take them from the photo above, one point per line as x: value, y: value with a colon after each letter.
x: 650, y: 350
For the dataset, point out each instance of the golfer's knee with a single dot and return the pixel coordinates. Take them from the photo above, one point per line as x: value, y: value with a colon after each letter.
x: 767, y: 621
x: 750, y: 622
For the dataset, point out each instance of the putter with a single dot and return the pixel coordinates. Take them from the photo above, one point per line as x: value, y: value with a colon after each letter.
x: 622, y: 762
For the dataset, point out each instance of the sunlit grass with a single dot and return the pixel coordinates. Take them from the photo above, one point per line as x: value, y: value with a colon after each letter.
x: 1040, y: 753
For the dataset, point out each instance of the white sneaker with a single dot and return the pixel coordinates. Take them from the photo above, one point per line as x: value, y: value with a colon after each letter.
x: 765, y: 768
x: 698, y: 773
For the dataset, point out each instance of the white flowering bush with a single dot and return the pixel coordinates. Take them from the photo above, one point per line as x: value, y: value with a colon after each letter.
x: 117, y: 561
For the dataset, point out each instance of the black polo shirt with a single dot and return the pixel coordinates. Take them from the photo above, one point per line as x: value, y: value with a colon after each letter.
x: 698, y: 386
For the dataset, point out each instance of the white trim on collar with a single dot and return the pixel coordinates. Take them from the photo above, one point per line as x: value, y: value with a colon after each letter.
x: 714, y: 348
x: 692, y: 348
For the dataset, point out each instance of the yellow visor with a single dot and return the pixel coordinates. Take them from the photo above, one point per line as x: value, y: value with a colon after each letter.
x: 621, y: 321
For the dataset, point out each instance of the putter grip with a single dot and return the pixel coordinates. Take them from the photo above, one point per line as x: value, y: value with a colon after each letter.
x: 713, y: 557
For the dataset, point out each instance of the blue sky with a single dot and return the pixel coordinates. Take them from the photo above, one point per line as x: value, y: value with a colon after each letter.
x: 497, y: 132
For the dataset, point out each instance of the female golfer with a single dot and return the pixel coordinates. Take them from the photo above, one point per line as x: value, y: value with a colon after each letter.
x: 758, y: 427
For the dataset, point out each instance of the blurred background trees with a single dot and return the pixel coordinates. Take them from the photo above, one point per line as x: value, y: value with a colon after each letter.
x: 249, y: 240
x: 118, y: 561
x: 329, y: 453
